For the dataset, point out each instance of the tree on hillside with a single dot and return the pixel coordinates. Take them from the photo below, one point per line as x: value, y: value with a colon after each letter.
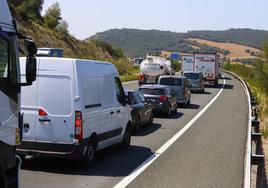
x: 53, y: 16
x: 28, y: 9
x: 265, y: 50
x: 63, y: 28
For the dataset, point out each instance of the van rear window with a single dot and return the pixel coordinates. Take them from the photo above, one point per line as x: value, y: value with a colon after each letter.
x: 171, y: 81
x: 153, y: 91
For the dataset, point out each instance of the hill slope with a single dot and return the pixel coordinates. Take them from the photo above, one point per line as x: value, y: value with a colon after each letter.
x: 139, y: 42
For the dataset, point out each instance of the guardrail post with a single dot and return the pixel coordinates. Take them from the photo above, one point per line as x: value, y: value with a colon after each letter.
x: 256, y: 125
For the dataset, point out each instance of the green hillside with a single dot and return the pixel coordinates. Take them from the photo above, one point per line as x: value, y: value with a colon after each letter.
x: 31, y: 23
x: 136, y: 42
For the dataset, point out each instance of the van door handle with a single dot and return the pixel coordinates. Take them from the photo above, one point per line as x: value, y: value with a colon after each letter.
x: 44, y: 120
x: 118, y: 111
x: 112, y: 112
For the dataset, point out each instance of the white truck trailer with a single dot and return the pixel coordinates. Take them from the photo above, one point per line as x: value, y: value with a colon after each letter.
x: 208, y: 64
x: 153, y: 67
x: 187, y: 63
x: 11, y: 119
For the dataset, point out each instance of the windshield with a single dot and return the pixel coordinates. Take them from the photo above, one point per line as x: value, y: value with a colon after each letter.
x: 171, y: 81
x: 192, y: 76
x: 8, y: 66
x: 153, y: 91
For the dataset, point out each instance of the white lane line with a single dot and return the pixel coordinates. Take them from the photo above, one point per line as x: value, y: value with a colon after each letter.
x: 128, y: 179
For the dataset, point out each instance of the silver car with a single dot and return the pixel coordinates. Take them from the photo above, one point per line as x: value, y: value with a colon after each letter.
x: 197, y: 81
x: 180, y: 85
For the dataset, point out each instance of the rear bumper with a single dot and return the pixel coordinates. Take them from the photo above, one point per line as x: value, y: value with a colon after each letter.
x: 52, y: 149
x: 162, y: 107
x: 197, y: 88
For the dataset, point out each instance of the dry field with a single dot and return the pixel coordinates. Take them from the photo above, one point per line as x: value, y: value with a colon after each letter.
x: 237, y: 51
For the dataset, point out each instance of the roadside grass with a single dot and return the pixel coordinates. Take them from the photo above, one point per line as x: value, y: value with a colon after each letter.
x: 264, y: 132
x: 131, y: 74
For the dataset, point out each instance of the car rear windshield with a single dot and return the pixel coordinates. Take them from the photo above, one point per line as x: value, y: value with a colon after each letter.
x: 192, y: 76
x: 171, y: 81
x: 153, y: 91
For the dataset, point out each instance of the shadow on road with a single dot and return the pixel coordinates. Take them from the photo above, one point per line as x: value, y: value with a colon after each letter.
x: 219, y: 86
x: 147, y: 129
x: 109, y: 162
x: 176, y: 115
x: 226, y: 78
x: 198, y: 93
x: 193, y: 106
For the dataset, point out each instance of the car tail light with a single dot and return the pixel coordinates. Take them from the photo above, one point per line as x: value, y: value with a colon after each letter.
x: 78, y: 125
x: 42, y: 112
x: 163, y: 98
x: 141, y: 77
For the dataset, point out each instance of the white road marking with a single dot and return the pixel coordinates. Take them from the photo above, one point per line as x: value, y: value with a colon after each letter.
x: 128, y: 179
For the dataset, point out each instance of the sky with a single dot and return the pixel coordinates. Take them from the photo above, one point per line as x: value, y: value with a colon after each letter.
x: 87, y: 17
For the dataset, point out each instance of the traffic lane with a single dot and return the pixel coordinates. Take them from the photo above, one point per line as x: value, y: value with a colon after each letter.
x: 111, y: 164
x: 211, y: 152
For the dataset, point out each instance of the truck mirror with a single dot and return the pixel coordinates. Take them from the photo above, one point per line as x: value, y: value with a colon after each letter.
x: 130, y: 98
x: 30, y: 69
x: 30, y: 47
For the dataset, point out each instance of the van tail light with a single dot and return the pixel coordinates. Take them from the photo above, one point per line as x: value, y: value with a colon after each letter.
x: 184, y: 93
x: 141, y: 77
x: 163, y: 98
x: 42, y: 112
x: 78, y: 125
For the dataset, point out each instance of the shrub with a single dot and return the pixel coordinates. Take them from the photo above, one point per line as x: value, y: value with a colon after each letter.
x: 52, y: 17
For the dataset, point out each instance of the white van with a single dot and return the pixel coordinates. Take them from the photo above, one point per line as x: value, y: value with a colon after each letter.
x: 75, y: 108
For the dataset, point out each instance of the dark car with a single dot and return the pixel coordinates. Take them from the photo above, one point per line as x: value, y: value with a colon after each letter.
x: 180, y: 85
x: 161, y: 97
x: 197, y: 81
x: 142, y: 112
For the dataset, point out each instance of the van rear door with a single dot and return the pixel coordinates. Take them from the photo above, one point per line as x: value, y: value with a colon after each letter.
x: 28, y: 106
x: 55, y: 118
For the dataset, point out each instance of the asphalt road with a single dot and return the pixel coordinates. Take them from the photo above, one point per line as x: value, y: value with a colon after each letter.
x: 209, y: 154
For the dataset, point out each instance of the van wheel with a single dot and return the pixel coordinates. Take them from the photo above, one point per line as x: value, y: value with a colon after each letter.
x: 127, y: 138
x: 90, y: 156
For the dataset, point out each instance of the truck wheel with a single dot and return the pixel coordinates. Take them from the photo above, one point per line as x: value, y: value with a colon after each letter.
x: 127, y: 138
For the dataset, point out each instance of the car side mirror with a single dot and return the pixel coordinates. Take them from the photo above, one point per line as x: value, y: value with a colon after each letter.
x: 130, y: 98
x: 30, y: 47
x: 30, y: 69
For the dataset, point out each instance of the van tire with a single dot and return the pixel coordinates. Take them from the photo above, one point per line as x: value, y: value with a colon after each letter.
x: 90, y: 156
x: 127, y: 138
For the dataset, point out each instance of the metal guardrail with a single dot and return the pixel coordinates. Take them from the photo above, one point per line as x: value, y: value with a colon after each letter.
x: 257, y: 156
x: 253, y: 153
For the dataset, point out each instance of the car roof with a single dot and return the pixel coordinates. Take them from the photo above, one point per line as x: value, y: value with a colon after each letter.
x: 153, y: 86
x: 173, y: 76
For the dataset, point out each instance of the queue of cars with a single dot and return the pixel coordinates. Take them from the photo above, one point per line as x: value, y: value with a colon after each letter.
x: 77, y: 107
